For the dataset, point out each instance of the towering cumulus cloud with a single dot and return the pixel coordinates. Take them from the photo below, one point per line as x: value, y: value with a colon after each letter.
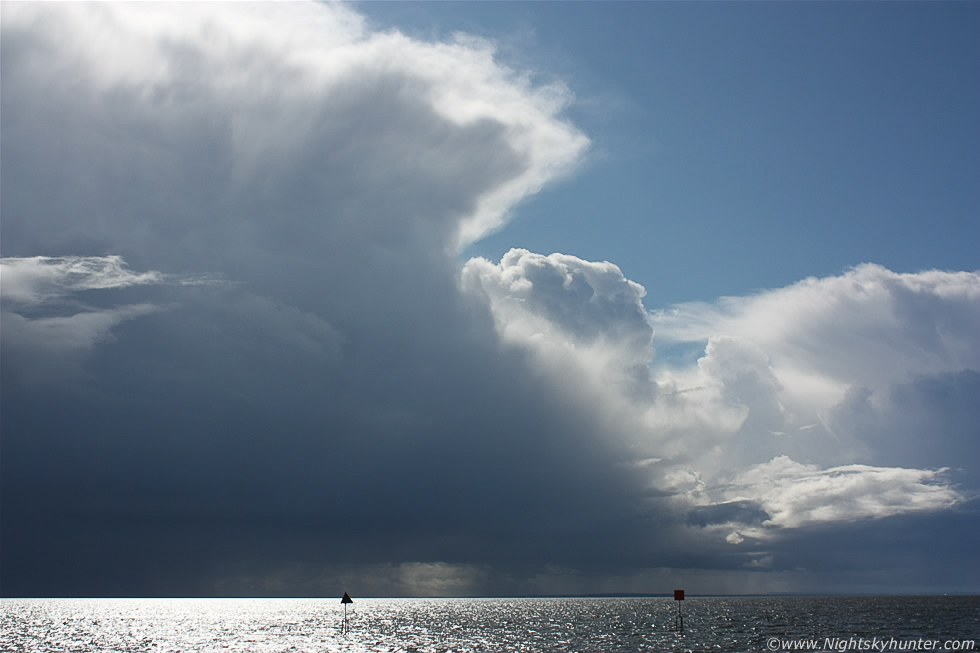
x: 240, y: 356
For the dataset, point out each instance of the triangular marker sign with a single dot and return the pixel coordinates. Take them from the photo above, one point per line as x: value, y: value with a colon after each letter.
x: 347, y: 598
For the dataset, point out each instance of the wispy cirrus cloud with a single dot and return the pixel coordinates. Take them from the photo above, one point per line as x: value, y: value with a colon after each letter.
x: 31, y: 281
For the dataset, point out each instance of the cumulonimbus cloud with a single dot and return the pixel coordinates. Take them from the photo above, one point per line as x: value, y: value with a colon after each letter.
x: 350, y: 391
x: 330, y: 174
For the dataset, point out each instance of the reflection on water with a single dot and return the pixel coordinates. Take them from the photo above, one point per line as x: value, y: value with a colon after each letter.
x: 442, y: 625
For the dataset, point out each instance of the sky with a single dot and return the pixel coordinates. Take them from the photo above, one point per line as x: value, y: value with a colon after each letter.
x: 487, y: 299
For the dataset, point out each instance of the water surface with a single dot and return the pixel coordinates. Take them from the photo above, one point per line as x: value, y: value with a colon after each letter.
x: 443, y: 625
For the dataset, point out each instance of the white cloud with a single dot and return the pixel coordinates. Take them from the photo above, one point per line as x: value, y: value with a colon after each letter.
x: 568, y: 311
x: 796, y: 495
x: 41, y: 279
x: 730, y: 426
x: 815, y: 370
x: 868, y: 326
x: 200, y: 130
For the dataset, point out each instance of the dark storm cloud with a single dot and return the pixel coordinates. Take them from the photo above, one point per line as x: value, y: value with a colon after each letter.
x: 250, y: 364
x: 335, y: 401
x: 222, y: 446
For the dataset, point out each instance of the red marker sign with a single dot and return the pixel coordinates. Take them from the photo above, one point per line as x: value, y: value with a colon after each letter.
x: 678, y: 595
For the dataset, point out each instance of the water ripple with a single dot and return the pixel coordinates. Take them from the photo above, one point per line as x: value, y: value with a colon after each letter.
x: 719, y: 625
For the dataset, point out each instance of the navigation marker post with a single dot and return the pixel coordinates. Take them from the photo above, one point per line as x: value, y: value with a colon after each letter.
x: 344, y: 601
x: 679, y: 620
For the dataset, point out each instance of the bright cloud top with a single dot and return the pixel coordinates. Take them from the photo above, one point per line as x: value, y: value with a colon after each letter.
x: 566, y: 309
x: 268, y: 111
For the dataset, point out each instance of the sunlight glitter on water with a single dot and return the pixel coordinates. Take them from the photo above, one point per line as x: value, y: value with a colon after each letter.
x: 471, y: 625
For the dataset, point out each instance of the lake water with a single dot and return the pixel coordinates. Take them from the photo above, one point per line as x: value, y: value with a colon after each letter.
x: 531, y: 625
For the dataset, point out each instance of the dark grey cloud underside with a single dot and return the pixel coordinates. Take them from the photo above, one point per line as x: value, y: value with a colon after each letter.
x: 196, y: 439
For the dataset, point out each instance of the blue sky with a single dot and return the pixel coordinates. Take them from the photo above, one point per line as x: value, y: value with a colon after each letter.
x: 456, y: 299
x: 747, y: 145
